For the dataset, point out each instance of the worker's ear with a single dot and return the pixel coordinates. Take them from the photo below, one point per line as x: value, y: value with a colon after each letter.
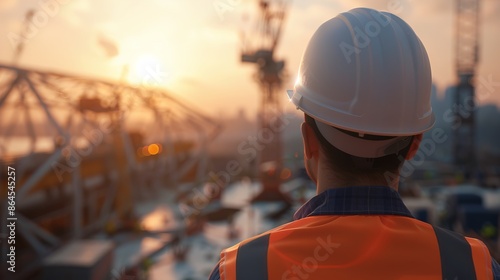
x: 414, y: 146
x: 311, y: 144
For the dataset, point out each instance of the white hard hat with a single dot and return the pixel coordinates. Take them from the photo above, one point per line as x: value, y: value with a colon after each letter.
x: 367, y: 72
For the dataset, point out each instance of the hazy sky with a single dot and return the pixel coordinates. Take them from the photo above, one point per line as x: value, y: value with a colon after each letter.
x: 194, y: 48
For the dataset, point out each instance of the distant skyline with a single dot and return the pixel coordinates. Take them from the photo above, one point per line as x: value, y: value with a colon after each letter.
x: 193, y: 48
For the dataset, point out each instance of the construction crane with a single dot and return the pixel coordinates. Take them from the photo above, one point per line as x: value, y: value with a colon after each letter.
x: 270, y: 76
x: 467, y: 45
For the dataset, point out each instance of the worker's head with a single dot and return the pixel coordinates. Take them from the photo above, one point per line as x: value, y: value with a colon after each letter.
x: 364, y: 85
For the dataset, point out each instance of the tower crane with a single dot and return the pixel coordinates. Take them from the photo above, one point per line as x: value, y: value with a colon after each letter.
x: 270, y: 76
x: 466, y: 59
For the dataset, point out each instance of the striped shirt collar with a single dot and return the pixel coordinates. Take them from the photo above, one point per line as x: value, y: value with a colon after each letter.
x: 359, y: 200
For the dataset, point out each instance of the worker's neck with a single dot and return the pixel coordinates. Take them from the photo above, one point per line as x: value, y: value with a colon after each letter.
x: 328, y: 179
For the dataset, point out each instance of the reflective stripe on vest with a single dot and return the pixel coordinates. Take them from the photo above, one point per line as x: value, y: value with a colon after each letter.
x: 251, y: 261
x: 247, y: 260
x: 357, y: 247
x: 456, y: 255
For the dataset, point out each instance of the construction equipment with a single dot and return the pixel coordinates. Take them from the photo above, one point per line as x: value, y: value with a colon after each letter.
x: 466, y: 59
x: 270, y: 76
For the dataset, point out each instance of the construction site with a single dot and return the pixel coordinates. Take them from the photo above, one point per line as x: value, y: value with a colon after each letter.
x: 121, y: 175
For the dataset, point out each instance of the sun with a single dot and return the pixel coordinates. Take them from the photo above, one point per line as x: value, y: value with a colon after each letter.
x: 149, y: 71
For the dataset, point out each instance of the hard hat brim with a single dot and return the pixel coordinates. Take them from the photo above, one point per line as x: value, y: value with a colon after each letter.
x: 357, y: 146
x: 347, y: 121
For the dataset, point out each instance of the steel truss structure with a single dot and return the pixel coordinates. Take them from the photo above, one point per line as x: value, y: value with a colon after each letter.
x: 97, y: 164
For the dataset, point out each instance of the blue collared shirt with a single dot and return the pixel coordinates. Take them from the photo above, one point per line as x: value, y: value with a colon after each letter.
x: 369, y: 200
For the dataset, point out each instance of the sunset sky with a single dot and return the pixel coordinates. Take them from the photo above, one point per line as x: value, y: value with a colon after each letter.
x: 194, y: 48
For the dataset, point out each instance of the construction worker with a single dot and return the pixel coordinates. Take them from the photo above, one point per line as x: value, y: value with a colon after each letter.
x: 364, y: 86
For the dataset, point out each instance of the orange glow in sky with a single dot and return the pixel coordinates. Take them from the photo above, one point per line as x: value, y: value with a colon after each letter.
x: 193, y: 49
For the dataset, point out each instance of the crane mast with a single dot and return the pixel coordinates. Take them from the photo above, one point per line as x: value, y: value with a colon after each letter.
x: 467, y: 36
x: 270, y: 72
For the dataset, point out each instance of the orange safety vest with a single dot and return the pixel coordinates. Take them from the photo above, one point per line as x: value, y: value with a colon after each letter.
x: 357, y: 247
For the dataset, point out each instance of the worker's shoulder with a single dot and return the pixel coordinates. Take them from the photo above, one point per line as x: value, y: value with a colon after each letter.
x: 254, y: 238
x: 265, y: 235
x: 474, y: 242
x: 322, y: 225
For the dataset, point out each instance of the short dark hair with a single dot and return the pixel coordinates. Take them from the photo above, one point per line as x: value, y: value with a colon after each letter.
x: 349, y: 167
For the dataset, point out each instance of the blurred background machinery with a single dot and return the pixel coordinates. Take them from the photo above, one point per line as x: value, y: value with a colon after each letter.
x: 260, y: 48
x: 466, y: 59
